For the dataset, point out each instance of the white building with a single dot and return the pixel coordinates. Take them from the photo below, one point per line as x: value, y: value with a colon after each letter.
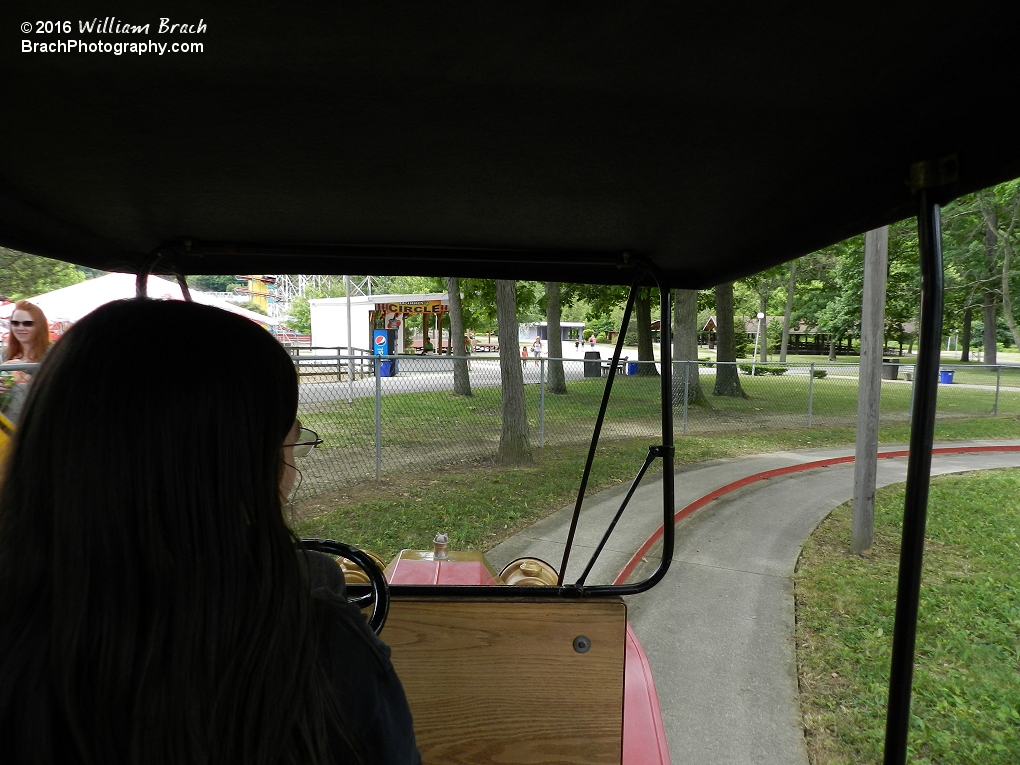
x: 329, y: 318
x: 568, y: 331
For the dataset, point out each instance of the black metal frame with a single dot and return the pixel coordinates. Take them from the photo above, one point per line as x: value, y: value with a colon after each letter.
x: 922, y: 439
x: 664, y: 451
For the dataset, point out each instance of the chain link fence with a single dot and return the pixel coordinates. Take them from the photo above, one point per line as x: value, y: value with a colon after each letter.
x: 399, y: 414
x: 394, y: 414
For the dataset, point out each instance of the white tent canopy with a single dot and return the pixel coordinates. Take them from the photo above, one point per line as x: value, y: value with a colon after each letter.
x: 72, y: 303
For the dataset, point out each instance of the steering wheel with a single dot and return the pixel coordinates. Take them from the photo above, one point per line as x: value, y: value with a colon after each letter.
x: 379, y: 591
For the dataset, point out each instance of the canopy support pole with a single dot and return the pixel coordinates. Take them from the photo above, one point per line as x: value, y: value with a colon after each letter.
x: 922, y: 438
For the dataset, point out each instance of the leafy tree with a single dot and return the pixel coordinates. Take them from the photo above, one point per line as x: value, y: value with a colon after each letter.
x: 604, y: 299
x: 300, y: 316
x: 791, y: 289
x: 214, y: 283
x: 763, y: 285
x: 23, y: 275
x: 1000, y: 208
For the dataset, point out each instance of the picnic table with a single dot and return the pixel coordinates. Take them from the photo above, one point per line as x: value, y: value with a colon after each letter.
x: 621, y: 367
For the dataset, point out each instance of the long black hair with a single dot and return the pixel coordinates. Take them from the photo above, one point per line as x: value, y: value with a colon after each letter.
x: 152, y: 606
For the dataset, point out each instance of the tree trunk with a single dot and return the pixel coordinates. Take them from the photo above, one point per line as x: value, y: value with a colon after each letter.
x: 557, y: 381
x: 685, y: 349
x: 968, y: 318
x: 763, y: 326
x: 869, y: 390
x: 461, y: 380
x: 1007, y: 305
x: 989, y: 335
x: 788, y: 312
x: 832, y: 348
x: 514, y: 440
x: 727, y: 379
x: 643, y: 317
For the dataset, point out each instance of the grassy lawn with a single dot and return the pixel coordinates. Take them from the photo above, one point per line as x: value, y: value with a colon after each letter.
x: 977, y: 374
x: 966, y: 706
x: 443, y: 421
x: 480, y: 504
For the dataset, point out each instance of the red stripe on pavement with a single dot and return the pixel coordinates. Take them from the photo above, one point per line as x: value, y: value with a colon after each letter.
x: 704, y: 500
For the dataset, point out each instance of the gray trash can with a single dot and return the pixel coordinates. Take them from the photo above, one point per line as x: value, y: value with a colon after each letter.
x: 592, y: 364
x: 890, y: 369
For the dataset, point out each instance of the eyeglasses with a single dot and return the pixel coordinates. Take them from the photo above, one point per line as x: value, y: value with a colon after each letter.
x: 307, y: 440
x: 28, y: 323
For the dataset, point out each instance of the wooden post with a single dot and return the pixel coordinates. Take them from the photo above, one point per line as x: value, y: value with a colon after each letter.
x: 869, y: 389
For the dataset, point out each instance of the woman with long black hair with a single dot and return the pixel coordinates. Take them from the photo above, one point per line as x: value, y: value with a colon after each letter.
x: 154, y: 607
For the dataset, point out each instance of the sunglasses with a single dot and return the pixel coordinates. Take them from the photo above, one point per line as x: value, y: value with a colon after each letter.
x: 28, y: 323
x: 307, y: 440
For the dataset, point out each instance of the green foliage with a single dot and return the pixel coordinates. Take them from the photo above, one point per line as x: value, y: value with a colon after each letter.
x: 214, y: 283
x: 965, y: 706
x: 23, y: 275
x: 818, y: 374
x: 1002, y: 334
x: 774, y: 334
x: 602, y: 325
x: 762, y: 369
x: 741, y: 344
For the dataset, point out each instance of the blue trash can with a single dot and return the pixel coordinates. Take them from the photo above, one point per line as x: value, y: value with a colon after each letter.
x: 946, y: 376
x: 632, y: 367
x: 387, y: 368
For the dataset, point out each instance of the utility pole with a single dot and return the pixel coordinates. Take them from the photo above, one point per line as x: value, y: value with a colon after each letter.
x: 869, y: 389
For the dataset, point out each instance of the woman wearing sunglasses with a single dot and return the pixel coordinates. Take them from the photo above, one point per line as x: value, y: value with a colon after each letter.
x: 29, y: 340
x: 156, y: 608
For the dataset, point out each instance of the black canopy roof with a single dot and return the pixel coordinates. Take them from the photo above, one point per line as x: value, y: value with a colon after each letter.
x: 542, y: 139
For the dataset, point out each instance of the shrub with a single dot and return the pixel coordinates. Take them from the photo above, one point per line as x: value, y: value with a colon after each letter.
x: 819, y: 373
x: 762, y: 369
x: 601, y: 338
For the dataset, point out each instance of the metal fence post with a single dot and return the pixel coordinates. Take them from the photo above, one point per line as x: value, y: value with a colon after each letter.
x: 541, y: 402
x: 687, y: 393
x: 810, y: 392
x: 339, y: 367
x: 350, y: 375
x: 998, y: 382
x: 378, y: 417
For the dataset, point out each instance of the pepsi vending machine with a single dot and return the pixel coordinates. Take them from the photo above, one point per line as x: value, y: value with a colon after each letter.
x: 382, y: 341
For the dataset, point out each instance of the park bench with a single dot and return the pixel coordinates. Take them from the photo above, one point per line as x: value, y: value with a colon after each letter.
x: 621, y: 367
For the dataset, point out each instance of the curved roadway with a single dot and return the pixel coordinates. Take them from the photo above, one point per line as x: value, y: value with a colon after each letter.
x: 718, y: 630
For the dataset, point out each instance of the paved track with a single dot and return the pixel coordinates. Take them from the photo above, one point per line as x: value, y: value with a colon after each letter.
x: 718, y: 629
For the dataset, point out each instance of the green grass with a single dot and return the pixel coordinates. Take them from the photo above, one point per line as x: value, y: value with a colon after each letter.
x: 966, y: 701
x: 439, y: 418
x: 976, y: 374
x: 480, y: 504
